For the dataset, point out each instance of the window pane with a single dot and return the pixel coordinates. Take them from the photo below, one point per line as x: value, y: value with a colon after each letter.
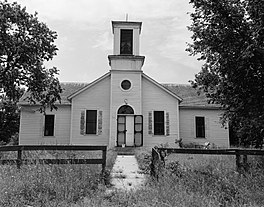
x: 126, y: 42
x: 138, y: 119
x: 91, y: 121
x: 138, y: 139
x: 121, y: 119
x: 125, y: 109
x: 138, y: 127
x: 200, y: 127
x: 121, y: 138
x: 126, y: 84
x: 158, y: 122
x: 121, y: 127
x: 49, y: 125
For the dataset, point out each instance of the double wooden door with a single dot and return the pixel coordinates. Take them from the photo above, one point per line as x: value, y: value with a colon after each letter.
x: 130, y: 130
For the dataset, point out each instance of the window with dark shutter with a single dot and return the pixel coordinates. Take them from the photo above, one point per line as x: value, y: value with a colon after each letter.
x: 49, y: 125
x: 200, y: 127
x: 91, y: 120
x: 159, y: 123
x: 126, y: 42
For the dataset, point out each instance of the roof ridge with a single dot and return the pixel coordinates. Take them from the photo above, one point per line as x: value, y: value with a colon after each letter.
x: 69, y: 82
x: 176, y: 84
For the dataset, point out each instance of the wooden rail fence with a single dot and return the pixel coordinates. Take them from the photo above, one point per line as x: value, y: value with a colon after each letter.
x: 20, y: 148
x: 158, y: 155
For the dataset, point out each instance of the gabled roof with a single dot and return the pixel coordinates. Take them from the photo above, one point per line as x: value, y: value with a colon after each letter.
x: 68, y: 88
x: 88, y: 86
x: 162, y: 87
x: 183, y: 92
x: 190, y: 96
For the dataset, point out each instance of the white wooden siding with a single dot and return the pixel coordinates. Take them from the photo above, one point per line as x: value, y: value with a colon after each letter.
x: 32, y: 126
x: 96, y: 97
x: 214, y: 131
x: 120, y: 97
x: 126, y: 64
x: 156, y: 99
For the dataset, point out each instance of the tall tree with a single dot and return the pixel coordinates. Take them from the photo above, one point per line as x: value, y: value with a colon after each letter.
x: 228, y: 35
x: 25, y: 43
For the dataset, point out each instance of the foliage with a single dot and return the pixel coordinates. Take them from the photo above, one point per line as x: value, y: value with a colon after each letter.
x: 25, y: 43
x: 9, y: 119
x: 143, y: 156
x: 229, y: 37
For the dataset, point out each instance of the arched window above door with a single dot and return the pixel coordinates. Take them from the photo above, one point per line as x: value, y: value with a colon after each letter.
x: 125, y: 109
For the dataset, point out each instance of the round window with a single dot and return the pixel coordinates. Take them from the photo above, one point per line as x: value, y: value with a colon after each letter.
x: 126, y: 84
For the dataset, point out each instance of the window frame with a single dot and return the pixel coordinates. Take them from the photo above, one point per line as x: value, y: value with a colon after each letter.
x: 122, y: 82
x: 162, y: 123
x: 86, y: 122
x: 202, y: 127
x: 45, y: 125
x: 122, y: 38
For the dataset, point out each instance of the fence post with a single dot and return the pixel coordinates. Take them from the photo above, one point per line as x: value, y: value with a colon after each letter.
x: 245, y: 164
x: 154, y: 166
x: 238, y: 163
x: 19, y: 158
x: 104, y: 160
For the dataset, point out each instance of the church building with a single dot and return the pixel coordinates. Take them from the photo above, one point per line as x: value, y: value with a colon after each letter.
x: 124, y: 107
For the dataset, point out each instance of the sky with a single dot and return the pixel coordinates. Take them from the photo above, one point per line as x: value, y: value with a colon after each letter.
x: 85, y: 37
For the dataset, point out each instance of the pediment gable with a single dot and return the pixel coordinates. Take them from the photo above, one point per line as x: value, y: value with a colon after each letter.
x: 187, y: 95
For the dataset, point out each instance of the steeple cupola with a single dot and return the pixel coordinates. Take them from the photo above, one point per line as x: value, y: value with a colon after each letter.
x: 126, y: 46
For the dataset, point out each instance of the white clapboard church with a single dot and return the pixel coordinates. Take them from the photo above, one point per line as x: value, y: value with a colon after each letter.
x: 124, y: 107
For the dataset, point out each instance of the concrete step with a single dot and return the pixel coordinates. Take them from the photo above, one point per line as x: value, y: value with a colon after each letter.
x: 125, y: 150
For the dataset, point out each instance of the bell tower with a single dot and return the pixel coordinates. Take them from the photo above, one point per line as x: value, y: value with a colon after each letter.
x: 126, y: 46
x: 125, y: 84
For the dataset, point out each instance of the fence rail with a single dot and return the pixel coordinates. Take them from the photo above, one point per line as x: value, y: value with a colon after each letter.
x: 158, y: 155
x: 20, y: 148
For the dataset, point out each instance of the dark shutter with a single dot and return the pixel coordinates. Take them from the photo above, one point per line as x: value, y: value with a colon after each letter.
x: 167, y: 124
x: 82, y: 123
x: 150, y: 122
x: 100, y: 122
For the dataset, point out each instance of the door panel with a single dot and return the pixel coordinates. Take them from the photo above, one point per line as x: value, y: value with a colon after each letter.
x: 121, y: 127
x: 120, y: 138
x: 121, y: 130
x: 138, y: 139
x: 138, y: 127
x: 129, y: 131
x: 138, y: 130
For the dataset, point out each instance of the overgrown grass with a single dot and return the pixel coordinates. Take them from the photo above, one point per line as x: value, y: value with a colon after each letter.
x: 191, y: 180
x: 51, y: 185
x: 187, y: 180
